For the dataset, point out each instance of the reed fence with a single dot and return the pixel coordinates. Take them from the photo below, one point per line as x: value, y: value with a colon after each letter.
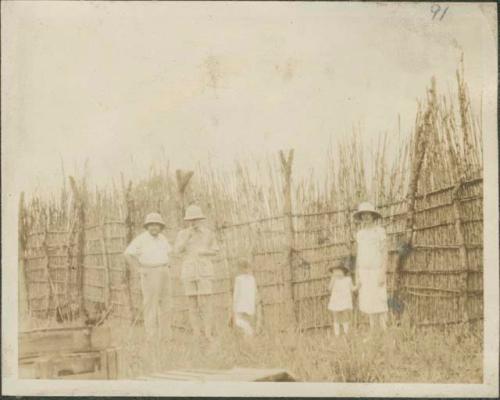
x: 431, y: 199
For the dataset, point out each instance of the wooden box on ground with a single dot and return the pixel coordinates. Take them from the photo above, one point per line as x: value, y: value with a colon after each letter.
x: 230, y: 375
x: 66, y: 353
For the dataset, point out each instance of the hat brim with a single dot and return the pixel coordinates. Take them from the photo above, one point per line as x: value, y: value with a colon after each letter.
x: 195, y: 218
x: 162, y: 224
x: 374, y: 213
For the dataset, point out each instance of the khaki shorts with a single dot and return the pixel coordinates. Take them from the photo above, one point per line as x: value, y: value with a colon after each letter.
x: 198, y: 287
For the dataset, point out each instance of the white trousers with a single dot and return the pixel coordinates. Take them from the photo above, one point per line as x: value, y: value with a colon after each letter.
x: 156, y: 294
x: 241, y: 321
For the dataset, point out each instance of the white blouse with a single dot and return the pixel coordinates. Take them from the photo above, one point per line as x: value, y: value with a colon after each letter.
x: 371, y: 248
x: 245, y: 293
x: 150, y: 250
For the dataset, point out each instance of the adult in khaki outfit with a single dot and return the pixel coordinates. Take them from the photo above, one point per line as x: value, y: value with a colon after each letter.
x: 149, y: 253
x: 197, y: 245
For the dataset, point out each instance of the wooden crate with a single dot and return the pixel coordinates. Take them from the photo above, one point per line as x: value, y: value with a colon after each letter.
x: 42, y: 341
x: 67, y: 353
x: 70, y: 365
x: 230, y: 375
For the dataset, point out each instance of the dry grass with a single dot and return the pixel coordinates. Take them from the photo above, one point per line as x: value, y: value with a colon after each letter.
x: 401, y: 355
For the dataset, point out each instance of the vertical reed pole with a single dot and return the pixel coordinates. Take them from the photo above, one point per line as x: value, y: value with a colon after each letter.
x: 461, y: 246
x: 46, y: 265
x: 421, y: 141
x: 351, y: 242
x: 129, y: 226
x: 23, y: 276
x: 286, y: 168
x: 107, y: 274
x: 183, y: 178
x: 80, y: 240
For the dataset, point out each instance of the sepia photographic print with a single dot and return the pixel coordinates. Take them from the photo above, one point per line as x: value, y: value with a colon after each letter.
x: 249, y: 199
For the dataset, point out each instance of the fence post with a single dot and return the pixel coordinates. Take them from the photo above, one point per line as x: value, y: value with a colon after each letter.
x: 461, y: 245
x: 23, y: 276
x: 129, y: 226
x: 80, y: 213
x: 46, y: 265
x: 420, y: 150
x: 286, y: 168
x: 183, y: 178
x: 107, y: 274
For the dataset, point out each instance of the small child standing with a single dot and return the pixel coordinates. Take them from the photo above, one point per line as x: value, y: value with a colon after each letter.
x: 340, y: 304
x: 245, y: 299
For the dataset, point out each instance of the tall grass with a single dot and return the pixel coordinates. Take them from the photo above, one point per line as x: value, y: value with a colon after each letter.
x: 402, y: 354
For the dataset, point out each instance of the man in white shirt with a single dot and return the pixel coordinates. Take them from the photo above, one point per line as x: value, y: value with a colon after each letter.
x: 149, y: 253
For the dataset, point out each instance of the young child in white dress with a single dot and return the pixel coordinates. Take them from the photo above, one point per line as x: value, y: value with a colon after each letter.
x: 246, y: 310
x: 371, y: 265
x: 340, y: 303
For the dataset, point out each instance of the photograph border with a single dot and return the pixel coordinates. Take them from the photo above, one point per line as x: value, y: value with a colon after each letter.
x: 490, y: 387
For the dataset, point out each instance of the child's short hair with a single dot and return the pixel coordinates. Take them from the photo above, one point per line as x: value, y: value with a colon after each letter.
x: 339, y: 264
x: 244, y: 263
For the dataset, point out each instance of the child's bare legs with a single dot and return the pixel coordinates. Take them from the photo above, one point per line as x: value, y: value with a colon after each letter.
x: 336, y: 328
x: 373, y: 318
x: 206, y: 308
x: 336, y: 323
x: 242, y: 322
x: 346, y: 320
x: 194, y: 317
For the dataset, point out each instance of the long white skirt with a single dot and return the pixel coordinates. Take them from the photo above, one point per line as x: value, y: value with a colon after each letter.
x: 372, y: 297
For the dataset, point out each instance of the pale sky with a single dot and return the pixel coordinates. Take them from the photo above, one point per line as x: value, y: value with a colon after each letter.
x: 115, y: 81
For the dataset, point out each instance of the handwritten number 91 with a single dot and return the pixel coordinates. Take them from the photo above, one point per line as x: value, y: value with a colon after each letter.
x: 437, y: 11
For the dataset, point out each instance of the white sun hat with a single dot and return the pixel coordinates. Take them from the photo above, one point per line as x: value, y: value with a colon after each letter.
x: 154, y: 218
x: 193, y: 213
x: 366, y: 207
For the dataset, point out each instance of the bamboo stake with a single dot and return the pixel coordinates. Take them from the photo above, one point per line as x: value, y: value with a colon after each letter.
x: 22, y: 238
x: 129, y: 223
x: 462, y: 246
x: 286, y: 167
x: 107, y: 285
x: 420, y: 152
x: 80, y: 211
x: 183, y: 178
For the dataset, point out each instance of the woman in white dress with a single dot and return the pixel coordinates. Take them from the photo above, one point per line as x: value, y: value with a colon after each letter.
x: 371, y: 265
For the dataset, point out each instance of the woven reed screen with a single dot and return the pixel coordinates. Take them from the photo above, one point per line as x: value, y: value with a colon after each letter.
x: 441, y: 280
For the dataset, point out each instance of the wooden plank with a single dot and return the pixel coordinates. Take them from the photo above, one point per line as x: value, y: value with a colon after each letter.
x: 84, y: 375
x: 46, y: 341
x: 187, y: 375
x: 268, y: 375
x: 232, y: 375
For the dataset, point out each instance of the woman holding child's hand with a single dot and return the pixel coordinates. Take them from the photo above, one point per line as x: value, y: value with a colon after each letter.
x: 371, y: 265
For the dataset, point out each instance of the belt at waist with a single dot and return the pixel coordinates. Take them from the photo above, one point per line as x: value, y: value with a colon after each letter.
x: 154, y: 266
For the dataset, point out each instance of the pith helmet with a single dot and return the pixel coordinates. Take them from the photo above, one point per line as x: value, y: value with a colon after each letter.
x: 154, y: 218
x: 193, y: 213
x: 367, y: 207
